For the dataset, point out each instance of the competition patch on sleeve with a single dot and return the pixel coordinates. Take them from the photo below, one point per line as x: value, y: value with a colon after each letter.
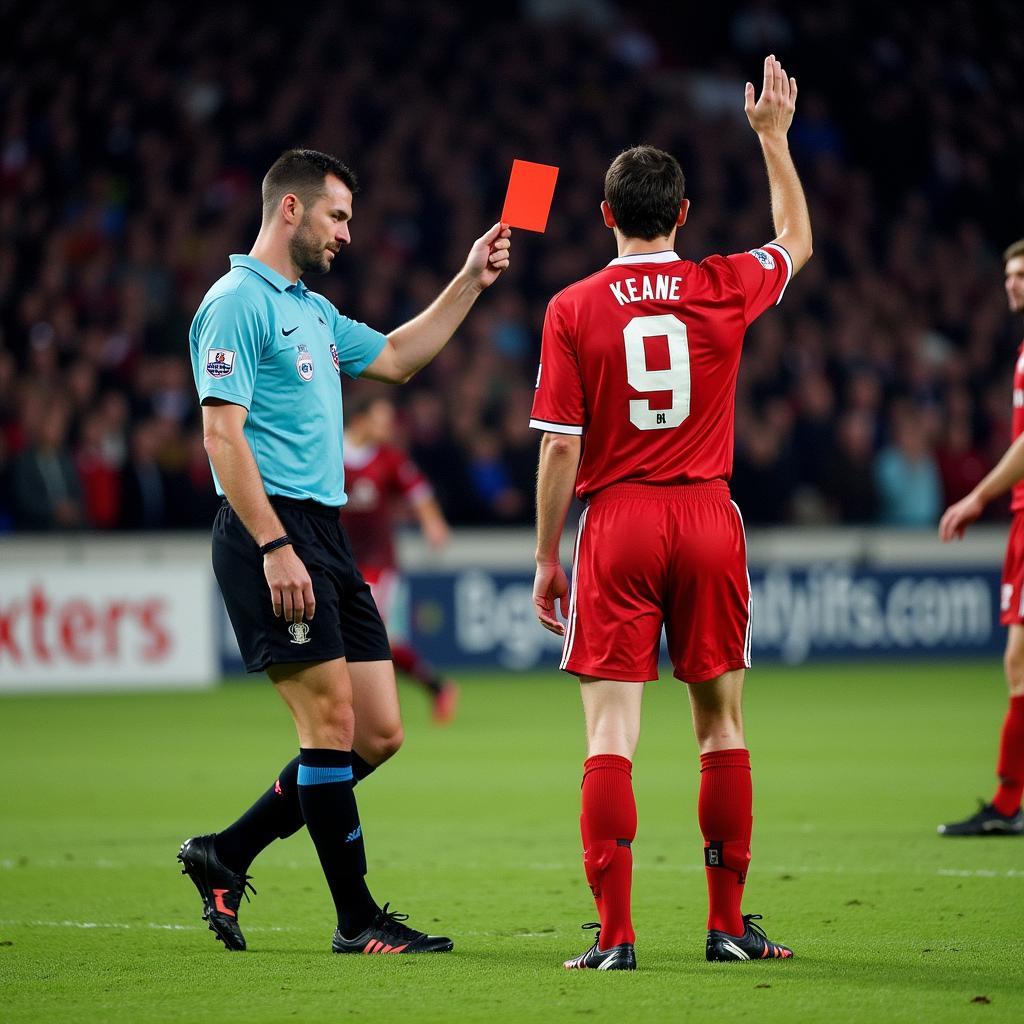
x: 764, y: 258
x: 220, y: 362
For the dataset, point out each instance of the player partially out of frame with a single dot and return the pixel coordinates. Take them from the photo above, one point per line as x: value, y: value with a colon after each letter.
x: 1003, y: 814
x: 377, y: 475
x: 636, y: 395
x: 268, y: 355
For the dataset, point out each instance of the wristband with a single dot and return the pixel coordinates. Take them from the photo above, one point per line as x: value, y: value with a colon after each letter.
x: 273, y: 545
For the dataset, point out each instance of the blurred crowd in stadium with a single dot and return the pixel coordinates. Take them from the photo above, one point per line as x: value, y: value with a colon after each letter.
x: 133, y: 147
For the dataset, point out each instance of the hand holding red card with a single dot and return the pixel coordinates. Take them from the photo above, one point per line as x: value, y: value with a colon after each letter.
x: 530, y: 191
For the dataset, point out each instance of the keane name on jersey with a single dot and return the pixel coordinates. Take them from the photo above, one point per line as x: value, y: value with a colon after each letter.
x: 634, y: 289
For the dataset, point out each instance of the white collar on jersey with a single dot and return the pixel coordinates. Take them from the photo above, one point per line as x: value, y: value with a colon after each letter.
x: 357, y: 456
x: 665, y: 256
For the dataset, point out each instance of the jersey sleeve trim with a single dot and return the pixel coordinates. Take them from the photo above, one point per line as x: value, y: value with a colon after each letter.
x: 355, y: 370
x: 557, y: 428
x: 788, y: 260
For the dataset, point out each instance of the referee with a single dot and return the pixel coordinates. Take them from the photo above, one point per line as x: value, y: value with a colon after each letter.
x: 267, y: 356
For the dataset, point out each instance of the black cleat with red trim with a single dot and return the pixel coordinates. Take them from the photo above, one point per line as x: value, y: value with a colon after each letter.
x: 221, y: 889
x: 387, y: 934
x: 753, y: 944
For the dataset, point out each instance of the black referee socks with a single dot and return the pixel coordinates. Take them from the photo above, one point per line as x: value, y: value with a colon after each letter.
x: 325, y: 784
x: 276, y: 815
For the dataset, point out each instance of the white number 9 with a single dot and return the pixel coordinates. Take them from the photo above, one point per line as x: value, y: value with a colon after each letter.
x: 675, y: 379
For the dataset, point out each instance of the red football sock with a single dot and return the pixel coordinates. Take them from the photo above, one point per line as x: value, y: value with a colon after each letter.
x: 608, y: 827
x: 724, y: 812
x: 1010, y: 767
x: 408, y: 660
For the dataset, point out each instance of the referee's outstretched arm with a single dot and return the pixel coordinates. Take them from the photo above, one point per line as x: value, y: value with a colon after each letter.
x: 410, y: 347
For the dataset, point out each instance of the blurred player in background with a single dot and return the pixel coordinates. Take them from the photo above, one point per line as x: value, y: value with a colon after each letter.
x: 268, y: 355
x: 378, y: 476
x: 1003, y: 815
x: 636, y: 394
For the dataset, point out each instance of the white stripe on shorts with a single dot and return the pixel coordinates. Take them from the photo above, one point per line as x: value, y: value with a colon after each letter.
x: 570, y: 625
x: 750, y: 595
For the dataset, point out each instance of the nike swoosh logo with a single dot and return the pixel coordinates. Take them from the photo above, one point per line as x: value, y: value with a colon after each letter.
x: 292, y: 331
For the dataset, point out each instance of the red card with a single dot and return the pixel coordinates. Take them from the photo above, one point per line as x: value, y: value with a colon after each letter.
x: 530, y: 191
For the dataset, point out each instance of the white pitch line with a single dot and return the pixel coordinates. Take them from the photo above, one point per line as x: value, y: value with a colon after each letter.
x: 102, y: 863
x: 50, y: 863
x: 119, y: 926
x: 979, y: 873
x: 789, y: 869
x: 155, y: 926
x: 57, y: 864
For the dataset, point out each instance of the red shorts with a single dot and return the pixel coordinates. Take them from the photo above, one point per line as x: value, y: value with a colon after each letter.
x: 1011, y: 593
x: 647, y: 556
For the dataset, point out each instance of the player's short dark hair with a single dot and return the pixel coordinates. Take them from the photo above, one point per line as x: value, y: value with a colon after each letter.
x: 644, y: 187
x: 361, y: 404
x: 1017, y: 249
x: 302, y: 172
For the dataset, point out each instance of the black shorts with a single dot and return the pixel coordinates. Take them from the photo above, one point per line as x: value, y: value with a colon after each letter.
x: 347, y: 623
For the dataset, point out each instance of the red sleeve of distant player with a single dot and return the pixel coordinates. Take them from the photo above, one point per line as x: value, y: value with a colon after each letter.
x: 407, y: 479
x: 763, y: 275
x: 558, y: 404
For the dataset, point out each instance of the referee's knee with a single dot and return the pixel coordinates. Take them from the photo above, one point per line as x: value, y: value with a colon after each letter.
x: 385, y: 744
x: 332, y: 725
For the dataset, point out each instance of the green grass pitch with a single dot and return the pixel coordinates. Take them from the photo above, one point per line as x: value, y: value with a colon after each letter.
x: 472, y: 830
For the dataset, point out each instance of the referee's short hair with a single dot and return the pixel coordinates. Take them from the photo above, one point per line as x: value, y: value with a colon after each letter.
x: 1017, y: 249
x: 302, y: 173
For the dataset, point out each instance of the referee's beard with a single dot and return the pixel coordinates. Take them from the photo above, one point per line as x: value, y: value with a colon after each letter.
x: 307, y: 252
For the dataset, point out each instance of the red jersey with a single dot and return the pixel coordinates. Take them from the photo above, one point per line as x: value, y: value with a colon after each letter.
x: 641, y: 359
x: 375, y: 478
x: 1017, y: 425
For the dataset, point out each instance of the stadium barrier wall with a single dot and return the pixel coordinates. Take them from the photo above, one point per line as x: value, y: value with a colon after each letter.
x: 84, y: 625
x: 88, y: 612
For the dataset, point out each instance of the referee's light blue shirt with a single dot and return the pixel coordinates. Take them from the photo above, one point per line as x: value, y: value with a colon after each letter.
x: 278, y: 349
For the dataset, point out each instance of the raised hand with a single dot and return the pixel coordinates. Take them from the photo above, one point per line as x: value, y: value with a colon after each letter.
x: 772, y: 114
x: 489, y: 255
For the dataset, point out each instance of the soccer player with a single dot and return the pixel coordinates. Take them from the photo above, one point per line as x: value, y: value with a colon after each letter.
x: 267, y: 355
x: 635, y: 395
x: 1003, y: 815
x: 378, y: 474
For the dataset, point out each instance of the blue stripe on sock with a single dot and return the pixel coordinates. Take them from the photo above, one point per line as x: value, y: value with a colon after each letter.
x: 312, y: 776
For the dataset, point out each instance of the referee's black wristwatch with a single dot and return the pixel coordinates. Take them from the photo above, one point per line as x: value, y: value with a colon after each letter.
x: 273, y: 545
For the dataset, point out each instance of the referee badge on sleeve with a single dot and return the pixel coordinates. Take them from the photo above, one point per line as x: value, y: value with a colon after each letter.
x: 220, y: 362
